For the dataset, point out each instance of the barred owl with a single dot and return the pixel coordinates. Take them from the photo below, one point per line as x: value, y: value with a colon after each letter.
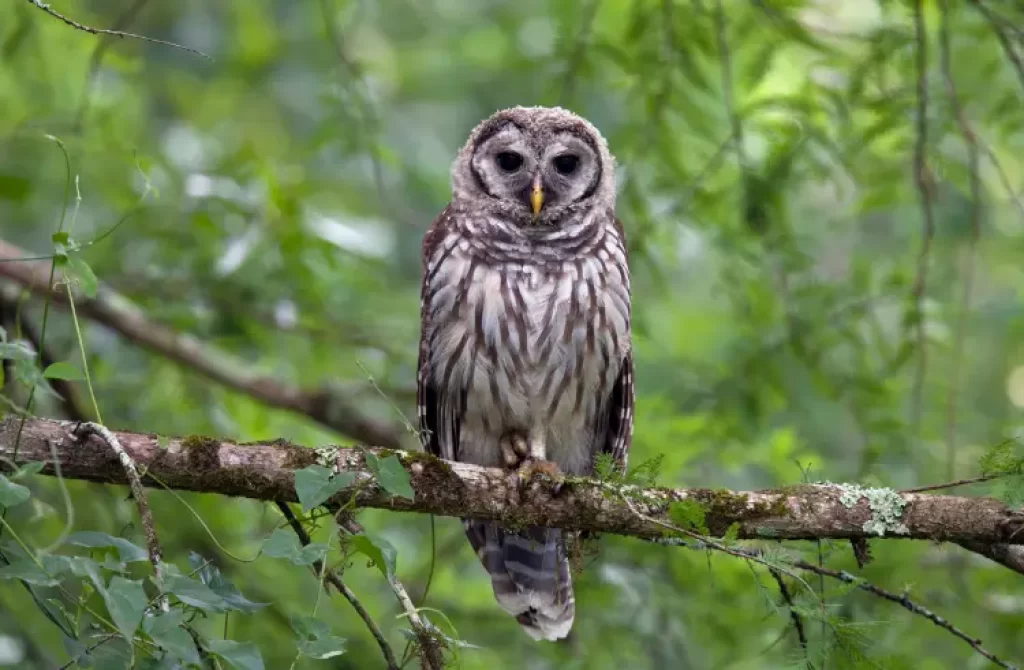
x: 525, y: 357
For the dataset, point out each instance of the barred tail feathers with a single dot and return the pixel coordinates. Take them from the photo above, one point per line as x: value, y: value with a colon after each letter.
x: 530, y: 575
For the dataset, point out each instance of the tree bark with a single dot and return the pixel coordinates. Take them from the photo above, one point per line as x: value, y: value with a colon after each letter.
x: 265, y: 471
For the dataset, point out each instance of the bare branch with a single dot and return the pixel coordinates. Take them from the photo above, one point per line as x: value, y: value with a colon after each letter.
x: 114, y: 33
x: 110, y: 309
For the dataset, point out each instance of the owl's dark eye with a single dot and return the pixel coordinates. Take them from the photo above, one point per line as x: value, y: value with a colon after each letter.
x: 566, y: 163
x: 509, y: 161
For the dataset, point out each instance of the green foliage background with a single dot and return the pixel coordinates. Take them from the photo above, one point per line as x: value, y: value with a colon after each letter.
x: 767, y: 186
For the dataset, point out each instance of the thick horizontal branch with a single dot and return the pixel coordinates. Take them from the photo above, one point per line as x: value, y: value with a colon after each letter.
x: 326, y: 405
x: 265, y: 471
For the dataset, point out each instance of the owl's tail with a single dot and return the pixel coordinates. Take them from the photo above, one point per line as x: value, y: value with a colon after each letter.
x: 530, y: 575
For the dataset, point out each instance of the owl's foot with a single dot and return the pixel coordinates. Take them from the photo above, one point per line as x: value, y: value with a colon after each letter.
x: 515, y: 450
x: 516, y: 456
x: 548, y: 469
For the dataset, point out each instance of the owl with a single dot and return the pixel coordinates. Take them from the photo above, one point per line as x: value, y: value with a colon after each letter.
x: 525, y: 357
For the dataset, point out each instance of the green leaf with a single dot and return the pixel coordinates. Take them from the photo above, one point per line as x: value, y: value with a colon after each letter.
x: 12, y: 494
x: 128, y: 552
x: 316, y: 484
x: 62, y: 370
x: 1002, y: 459
x: 732, y: 533
x: 389, y: 472
x: 83, y: 566
x: 315, y: 638
x: 126, y: 601
x: 688, y: 514
x: 113, y: 655
x: 29, y: 571
x: 221, y: 585
x: 241, y: 655
x: 167, y: 632
x: 28, y: 373
x: 284, y: 544
x: 16, y: 351
x: 378, y: 550
x: 28, y: 469
x: 194, y: 593
x: 81, y: 271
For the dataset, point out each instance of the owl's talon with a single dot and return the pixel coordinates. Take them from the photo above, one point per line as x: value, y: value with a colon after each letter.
x: 514, y: 450
x: 548, y: 469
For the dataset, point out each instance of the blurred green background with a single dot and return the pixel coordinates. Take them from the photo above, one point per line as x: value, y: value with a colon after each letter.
x: 279, y: 192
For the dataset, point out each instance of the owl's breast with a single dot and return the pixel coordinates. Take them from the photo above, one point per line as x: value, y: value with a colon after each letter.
x: 529, y: 342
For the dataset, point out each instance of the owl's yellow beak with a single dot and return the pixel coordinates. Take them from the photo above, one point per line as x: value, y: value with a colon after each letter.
x: 536, y: 196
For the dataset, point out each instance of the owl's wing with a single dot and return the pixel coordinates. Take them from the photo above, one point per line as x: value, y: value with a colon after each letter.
x: 619, y: 408
x: 619, y: 415
x: 439, y: 414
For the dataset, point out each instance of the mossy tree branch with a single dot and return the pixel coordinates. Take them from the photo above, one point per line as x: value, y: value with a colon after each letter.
x: 265, y: 471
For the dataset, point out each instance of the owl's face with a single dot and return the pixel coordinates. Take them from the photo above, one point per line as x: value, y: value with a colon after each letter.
x: 536, y: 164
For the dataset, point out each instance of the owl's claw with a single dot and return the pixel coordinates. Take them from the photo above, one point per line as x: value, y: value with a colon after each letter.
x: 515, y: 454
x: 514, y: 449
x: 531, y: 468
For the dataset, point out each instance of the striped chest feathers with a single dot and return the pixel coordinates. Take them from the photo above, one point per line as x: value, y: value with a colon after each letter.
x: 526, y: 334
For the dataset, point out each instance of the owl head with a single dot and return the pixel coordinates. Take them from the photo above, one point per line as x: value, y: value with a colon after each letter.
x: 535, y: 166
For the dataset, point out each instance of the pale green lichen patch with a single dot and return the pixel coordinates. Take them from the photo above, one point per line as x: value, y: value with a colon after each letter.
x: 327, y: 456
x: 886, y: 507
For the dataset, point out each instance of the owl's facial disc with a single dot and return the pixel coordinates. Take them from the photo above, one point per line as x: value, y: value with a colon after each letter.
x: 537, y: 173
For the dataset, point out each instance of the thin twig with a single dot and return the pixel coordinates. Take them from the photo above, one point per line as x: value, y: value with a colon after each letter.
x: 1004, y: 178
x: 122, y: 22
x: 433, y: 561
x: 578, y: 52
x: 367, y: 120
x: 430, y: 648
x: 114, y: 33
x: 798, y: 621
x: 840, y: 575
x: 1004, y: 41
x: 950, y: 485
x: 975, y: 221
x: 725, y: 57
x: 923, y: 181
x: 91, y: 648
x: 905, y: 602
x: 335, y: 580
x: 73, y: 407
x: 82, y: 432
